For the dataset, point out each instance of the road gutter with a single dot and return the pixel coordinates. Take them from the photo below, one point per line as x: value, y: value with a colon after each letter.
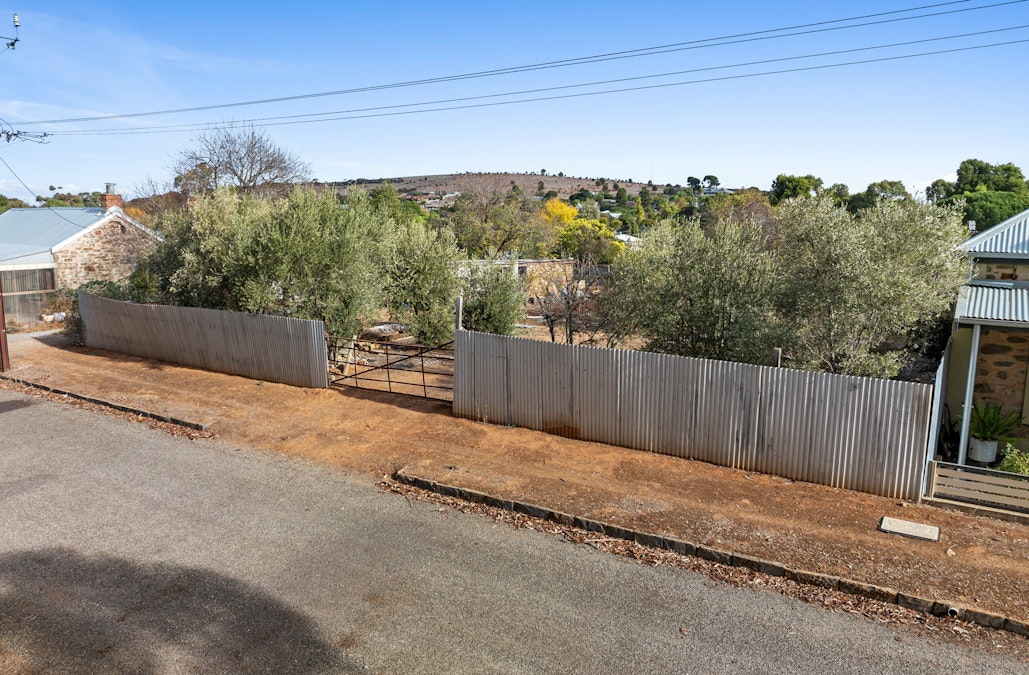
x: 197, y: 426
x: 841, y: 584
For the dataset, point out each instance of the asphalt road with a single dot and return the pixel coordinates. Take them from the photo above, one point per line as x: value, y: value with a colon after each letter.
x: 123, y: 549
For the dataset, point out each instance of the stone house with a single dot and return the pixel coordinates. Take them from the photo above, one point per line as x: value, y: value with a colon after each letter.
x: 44, y: 249
x: 991, y: 328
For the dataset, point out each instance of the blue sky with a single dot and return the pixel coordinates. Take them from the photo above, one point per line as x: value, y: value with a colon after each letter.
x: 912, y: 120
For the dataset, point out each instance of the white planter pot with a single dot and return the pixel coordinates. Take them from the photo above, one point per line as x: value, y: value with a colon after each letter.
x: 982, y: 451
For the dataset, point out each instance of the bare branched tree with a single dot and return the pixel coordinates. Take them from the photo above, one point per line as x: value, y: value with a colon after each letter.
x: 567, y: 296
x: 242, y: 158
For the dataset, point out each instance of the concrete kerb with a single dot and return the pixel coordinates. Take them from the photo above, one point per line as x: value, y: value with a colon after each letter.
x: 116, y: 406
x: 843, y: 585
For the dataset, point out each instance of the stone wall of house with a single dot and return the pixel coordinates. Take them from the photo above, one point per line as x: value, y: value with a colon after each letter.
x: 1006, y: 272
x: 1001, y: 371
x: 108, y: 253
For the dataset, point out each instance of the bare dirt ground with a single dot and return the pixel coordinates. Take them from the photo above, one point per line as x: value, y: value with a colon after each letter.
x: 979, y: 562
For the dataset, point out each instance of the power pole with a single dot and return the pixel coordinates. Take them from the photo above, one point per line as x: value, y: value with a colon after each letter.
x: 12, y: 42
x: 5, y: 358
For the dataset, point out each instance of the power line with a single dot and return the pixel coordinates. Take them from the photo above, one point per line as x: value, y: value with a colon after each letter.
x: 583, y: 60
x: 259, y: 120
x: 372, y: 114
x: 38, y: 198
x: 24, y: 255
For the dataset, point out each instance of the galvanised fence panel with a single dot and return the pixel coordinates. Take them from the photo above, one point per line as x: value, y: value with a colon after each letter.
x: 597, y: 412
x: 270, y: 348
x: 484, y: 382
x: 850, y: 432
x: 523, y: 375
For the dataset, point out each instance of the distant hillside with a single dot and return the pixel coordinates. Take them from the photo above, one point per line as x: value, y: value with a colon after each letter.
x: 528, y: 183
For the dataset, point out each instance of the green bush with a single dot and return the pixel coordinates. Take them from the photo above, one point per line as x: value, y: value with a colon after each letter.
x: 136, y: 288
x: 423, y: 282
x: 493, y: 299
x: 1015, y: 460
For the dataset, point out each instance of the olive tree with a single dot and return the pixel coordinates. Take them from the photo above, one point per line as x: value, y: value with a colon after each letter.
x: 494, y: 298
x: 423, y: 280
x: 302, y: 256
x: 854, y: 285
x: 698, y: 293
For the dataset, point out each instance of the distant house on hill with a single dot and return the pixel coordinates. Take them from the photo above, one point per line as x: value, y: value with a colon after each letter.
x: 717, y: 190
x: 43, y: 249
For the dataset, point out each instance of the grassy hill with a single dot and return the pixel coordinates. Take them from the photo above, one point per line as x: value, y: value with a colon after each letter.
x: 528, y: 183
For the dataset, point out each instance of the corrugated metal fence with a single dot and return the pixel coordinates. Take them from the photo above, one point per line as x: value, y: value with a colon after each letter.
x: 850, y: 432
x: 271, y: 348
x: 27, y: 292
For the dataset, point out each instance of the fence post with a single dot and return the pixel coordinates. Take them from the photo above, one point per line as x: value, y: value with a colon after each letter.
x: 460, y: 310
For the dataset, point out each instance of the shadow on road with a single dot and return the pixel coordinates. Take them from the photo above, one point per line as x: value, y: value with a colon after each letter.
x: 9, y: 406
x: 61, y: 611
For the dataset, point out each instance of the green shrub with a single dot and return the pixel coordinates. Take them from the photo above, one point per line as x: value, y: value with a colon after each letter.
x: 493, y: 299
x: 68, y: 301
x: 1015, y: 460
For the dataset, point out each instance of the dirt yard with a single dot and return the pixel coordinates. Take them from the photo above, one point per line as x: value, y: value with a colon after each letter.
x: 978, y: 562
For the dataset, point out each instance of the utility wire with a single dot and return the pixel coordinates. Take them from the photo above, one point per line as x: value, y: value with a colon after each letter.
x: 50, y: 208
x: 596, y: 58
x: 260, y: 120
x: 24, y: 255
x: 371, y: 112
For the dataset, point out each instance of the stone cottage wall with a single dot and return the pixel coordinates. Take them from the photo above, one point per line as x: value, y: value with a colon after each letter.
x: 1001, y: 371
x: 108, y: 253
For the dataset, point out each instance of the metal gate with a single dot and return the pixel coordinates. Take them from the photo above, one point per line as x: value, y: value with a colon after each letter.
x: 396, y: 367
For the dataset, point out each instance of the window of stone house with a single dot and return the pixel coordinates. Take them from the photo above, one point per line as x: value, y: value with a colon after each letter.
x: 123, y: 229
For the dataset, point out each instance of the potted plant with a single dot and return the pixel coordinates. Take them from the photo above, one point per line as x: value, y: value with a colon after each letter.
x: 988, y: 428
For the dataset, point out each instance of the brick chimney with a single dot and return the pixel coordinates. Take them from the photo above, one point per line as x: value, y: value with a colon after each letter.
x: 110, y: 197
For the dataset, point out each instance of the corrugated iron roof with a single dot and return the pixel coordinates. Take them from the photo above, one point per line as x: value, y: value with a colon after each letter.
x: 993, y: 303
x: 1007, y: 239
x: 15, y: 254
x: 28, y: 231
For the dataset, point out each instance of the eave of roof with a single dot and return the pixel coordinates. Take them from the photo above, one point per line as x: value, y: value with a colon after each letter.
x: 993, y: 303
